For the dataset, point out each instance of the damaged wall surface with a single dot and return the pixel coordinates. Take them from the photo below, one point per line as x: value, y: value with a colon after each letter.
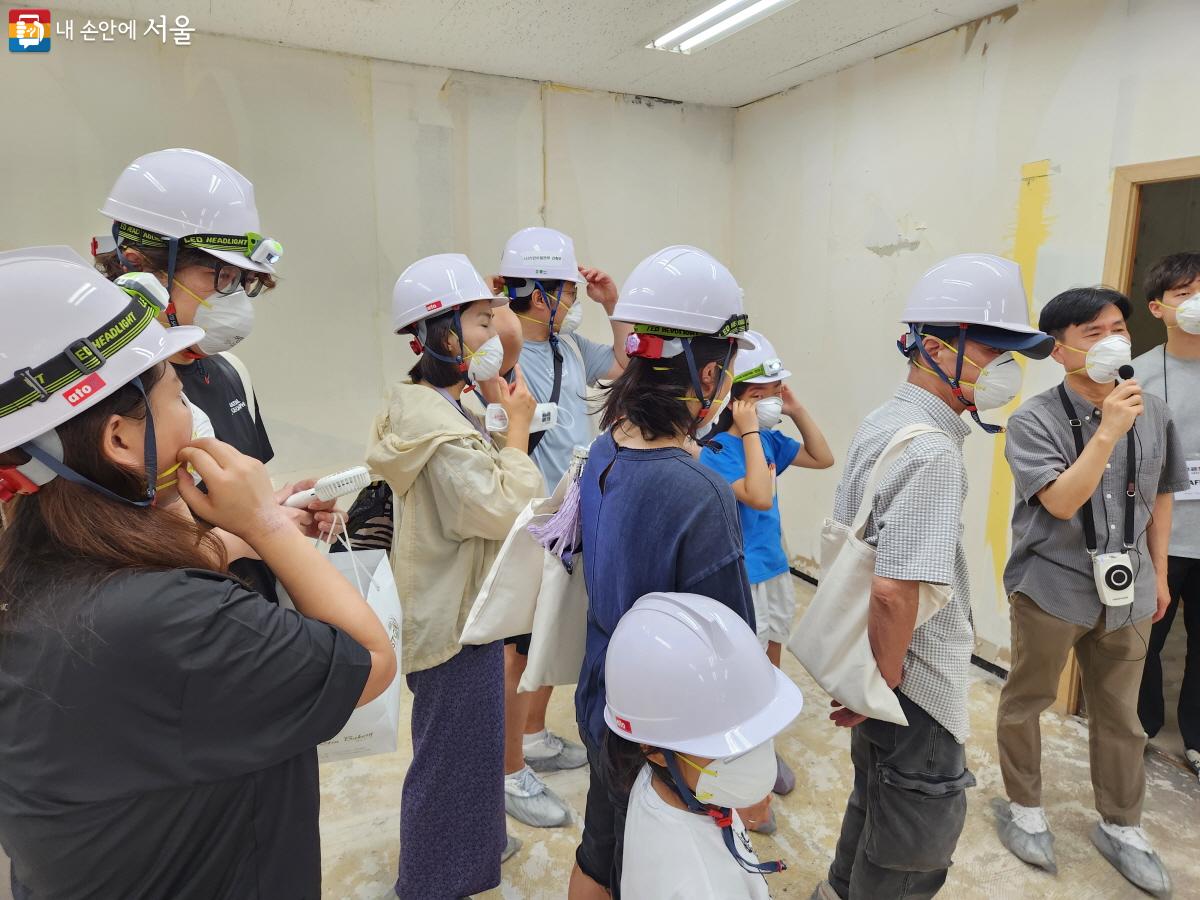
x: 1001, y: 137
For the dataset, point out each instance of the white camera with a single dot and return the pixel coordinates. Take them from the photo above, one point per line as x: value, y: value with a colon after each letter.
x: 1114, y: 578
x: 544, y: 417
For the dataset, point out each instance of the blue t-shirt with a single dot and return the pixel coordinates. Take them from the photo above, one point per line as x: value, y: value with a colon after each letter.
x: 761, y: 531
x: 553, y: 455
x: 653, y: 520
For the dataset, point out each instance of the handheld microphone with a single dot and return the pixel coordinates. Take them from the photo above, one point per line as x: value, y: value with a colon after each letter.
x: 331, y: 487
x: 1125, y: 372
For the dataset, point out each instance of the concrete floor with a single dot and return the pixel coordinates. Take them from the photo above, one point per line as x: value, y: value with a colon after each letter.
x: 361, y: 807
x: 360, y: 815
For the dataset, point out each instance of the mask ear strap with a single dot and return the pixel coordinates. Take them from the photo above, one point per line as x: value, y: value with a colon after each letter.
x: 149, y: 449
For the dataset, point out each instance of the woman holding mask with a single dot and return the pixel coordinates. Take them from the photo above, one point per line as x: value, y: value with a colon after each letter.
x: 158, y: 721
x: 456, y: 496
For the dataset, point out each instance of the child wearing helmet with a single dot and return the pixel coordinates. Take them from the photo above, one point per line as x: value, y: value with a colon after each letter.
x: 749, y: 453
x: 191, y: 221
x: 155, y: 713
x: 693, y: 750
x: 456, y: 495
x: 653, y: 517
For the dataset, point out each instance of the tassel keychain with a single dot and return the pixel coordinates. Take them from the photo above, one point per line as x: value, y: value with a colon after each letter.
x: 561, y: 534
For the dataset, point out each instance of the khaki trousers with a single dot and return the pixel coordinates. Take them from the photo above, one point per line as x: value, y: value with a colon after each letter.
x: 1111, y: 664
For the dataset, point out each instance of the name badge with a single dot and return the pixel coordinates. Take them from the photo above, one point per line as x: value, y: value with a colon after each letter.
x: 1193, y: 492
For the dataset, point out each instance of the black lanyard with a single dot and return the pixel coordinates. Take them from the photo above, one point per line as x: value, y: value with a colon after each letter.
x: 1166, y: 390
x: 555, y: 391
x: 1089, y: 522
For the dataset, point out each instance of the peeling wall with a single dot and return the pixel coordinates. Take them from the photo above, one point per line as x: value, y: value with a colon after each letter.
x: 1000, y: 136
x: 360, y: 167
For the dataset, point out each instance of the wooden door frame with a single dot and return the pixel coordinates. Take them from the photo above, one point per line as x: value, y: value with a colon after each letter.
x: 1123, y: 225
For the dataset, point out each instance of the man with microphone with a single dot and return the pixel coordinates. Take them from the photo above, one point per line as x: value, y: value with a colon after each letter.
x: 1096, y: 463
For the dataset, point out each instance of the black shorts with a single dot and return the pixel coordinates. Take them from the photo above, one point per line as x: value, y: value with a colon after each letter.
x: 600, y: 848
x: 521, y: 642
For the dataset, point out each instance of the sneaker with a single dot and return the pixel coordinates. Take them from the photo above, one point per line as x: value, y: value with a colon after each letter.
x: 1193, y: 758
x: 547, y: 752
x: 528, y: 800
x: 824, y: 891
x: 511, y: 846
x: 1024, y: 831
x: 785, y: 779
x: 1128, y: 849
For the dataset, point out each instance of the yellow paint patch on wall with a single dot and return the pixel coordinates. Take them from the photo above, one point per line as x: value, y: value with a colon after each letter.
x: 1032, y: 231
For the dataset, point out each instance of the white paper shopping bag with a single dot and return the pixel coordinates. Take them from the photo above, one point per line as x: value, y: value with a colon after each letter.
x: 373, y: 728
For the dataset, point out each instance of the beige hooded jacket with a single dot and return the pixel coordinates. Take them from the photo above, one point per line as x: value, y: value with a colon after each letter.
x: 456, y: 497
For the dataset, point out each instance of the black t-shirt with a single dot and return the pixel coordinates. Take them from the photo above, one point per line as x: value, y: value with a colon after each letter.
x: 222, y: 396
x: 157, y: 739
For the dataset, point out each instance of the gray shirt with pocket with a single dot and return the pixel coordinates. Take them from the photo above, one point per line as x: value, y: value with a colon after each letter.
x: 1178, y: 382
x: 1049, y: 562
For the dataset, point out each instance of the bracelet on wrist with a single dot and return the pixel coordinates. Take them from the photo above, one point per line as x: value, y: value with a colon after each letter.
x: 747, y: 434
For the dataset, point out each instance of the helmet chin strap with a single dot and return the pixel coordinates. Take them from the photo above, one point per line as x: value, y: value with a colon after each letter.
x: 172, y: 318
x: 553, y: 309
x: 59, y: 468
x: 955, y: 383
x: 705, y: 402
x: 458, y: 361
x: 721, y: 815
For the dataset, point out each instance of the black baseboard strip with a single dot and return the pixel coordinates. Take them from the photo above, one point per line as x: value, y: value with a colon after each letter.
x: 999, y: 671
x: 803, y: 576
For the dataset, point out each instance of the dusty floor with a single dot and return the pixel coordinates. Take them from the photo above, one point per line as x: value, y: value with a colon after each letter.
x: 361, y: 800
x: 361, y: 816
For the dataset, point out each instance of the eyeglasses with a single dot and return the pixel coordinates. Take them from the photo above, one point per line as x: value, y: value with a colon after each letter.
x: 228, y: 278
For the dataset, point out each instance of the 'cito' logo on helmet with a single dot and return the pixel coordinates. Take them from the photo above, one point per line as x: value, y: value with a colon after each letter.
x: 84, y: 389
x: 436, y: 304
x: 624, y: 725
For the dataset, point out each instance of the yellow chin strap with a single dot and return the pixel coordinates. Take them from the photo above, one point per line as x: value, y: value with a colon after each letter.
x: 193, y: 294
x: 920, y: 365
x: 695, y: 766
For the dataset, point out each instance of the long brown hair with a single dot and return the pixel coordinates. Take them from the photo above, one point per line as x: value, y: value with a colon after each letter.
x: 69, y: 533
x: 649, y: 392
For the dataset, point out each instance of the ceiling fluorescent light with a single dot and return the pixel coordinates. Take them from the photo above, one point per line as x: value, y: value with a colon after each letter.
x: 712, y: 25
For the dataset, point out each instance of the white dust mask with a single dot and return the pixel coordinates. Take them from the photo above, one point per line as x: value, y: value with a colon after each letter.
x: 770, y: 411
x: 1105, y: 358
x: 485, y: 362
x: 998, y: 383
x: 1187, y: 314
x: 737, y: 782
x: 227, y: 320
x: 572, y: 320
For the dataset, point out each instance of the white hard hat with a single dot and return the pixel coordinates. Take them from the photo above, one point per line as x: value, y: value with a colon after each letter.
x: 983, y: 290
x: 185, y: 194
x: 437, y: 284
x: 684, y: 672
x: 760, y: 364
x: 540, y: 253
x: 683, y: 289
x: 72, y: 337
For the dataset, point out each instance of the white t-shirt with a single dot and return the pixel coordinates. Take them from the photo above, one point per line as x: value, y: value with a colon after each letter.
x: 674, y: 854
